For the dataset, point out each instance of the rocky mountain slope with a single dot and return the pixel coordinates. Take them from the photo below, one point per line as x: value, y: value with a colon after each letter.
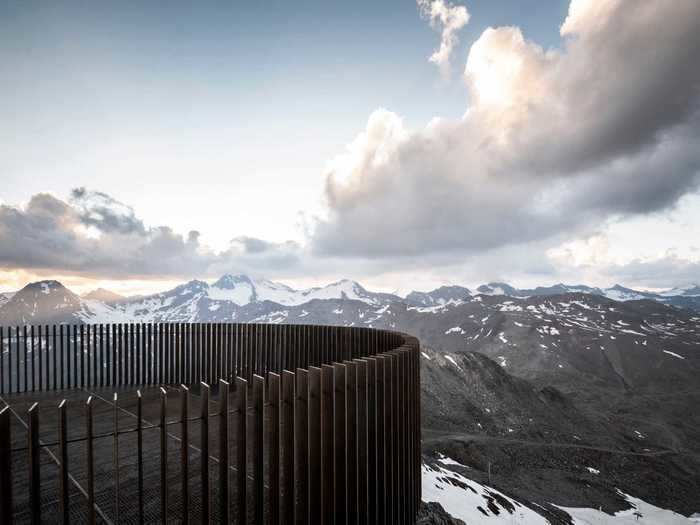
x: 683, y: 297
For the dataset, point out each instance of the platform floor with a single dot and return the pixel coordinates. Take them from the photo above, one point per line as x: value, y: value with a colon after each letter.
x: 115, y: 506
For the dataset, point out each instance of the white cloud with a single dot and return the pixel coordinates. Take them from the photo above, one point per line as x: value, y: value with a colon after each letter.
x: 448, y: 19
x: 555, y: 143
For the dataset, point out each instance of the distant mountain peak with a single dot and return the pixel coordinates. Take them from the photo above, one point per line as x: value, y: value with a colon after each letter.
x: 103, y: 295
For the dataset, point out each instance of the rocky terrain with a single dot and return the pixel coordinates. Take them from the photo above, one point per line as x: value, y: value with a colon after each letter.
x: 534, y: 401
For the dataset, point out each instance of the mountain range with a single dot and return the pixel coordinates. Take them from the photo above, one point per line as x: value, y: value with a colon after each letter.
x: 543, y: 399
x: 50, y: 301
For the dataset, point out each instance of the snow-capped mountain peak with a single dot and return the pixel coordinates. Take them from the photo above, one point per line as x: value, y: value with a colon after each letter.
x: 103, y: 295
x: 243, y: 290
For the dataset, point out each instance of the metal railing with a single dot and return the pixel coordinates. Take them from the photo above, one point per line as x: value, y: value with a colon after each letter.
x: 310, y: 424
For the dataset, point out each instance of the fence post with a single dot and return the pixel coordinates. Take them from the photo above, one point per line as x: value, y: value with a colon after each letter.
x: 224, y: 496
x: 115, y: 410
x: 364, y: 480
x: 104, y: 360
x: 63, y: 465
x: 352, y: 441
x: 82, y: 356
x: 9, y: 357
x: 185, y: 452
x: 94, y: 355
x: 204, y: 445
x: 391, y: 430
x: 372, y: 472
x: 381, y: 450
x: 5, y: 467
x: 132, y: 355
x: 302, y: 465
x: 327, y: 443
x: 287, y: 446
x: 273, y: 460
x: 240, y: 430
x: 113, y: 352
x: 163, y: 457
x: 36, y: 352
x: 258, y: 427
x: 139, y: 451
x: 26, y: 358
x: 340, y: 444
x: 90, y: 462
x: 33, y: 345
x: 34, y: 465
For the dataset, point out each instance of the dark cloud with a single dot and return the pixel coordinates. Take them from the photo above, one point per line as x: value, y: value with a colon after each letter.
x: 663, y: 272
x: 96, y: 236
x: 105, y: 213
x: 555, y: 142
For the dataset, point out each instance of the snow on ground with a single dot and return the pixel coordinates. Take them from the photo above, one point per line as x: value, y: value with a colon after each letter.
x: 94, y: 312
x: 648, y: 515
x: 451, y: 360
x: 472, y: 502
x: 241, y: 294
x: 674, y: 354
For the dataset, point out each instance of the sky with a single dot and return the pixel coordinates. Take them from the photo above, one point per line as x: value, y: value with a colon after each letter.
x: 402, y: 144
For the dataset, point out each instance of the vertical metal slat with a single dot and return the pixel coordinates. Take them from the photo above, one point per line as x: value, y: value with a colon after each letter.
x: 224, y: 494
x: 63, y: 464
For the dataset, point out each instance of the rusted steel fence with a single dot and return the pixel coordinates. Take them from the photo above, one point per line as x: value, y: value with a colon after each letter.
x: 301, y: 424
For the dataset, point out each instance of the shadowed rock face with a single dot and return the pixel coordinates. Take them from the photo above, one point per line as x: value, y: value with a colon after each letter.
x: 433, y: 514
x: 41, y: 303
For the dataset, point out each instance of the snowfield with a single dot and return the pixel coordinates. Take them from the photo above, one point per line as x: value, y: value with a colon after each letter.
x: 641, y: 513
x: 471, y: 502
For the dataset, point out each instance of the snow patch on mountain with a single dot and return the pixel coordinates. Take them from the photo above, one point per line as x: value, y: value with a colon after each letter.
x: 472, y: 502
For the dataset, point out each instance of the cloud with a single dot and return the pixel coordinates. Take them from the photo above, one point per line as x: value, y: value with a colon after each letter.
x: 448, y: 19
x: 554, y: 143
x: 105, y: 213
x: 663, y: 272
x: 94, y: 235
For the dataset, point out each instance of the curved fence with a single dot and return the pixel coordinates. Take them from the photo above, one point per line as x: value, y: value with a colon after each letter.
x: 231, y: 423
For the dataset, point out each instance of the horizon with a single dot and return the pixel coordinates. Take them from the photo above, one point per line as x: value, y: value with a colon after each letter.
x: 404, y: 146
x: 473, y: 288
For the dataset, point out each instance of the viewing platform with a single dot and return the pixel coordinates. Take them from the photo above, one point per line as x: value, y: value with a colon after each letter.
x: 199, y: 423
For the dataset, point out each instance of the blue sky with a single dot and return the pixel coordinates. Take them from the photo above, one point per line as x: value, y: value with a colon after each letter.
x: 222, y: 117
